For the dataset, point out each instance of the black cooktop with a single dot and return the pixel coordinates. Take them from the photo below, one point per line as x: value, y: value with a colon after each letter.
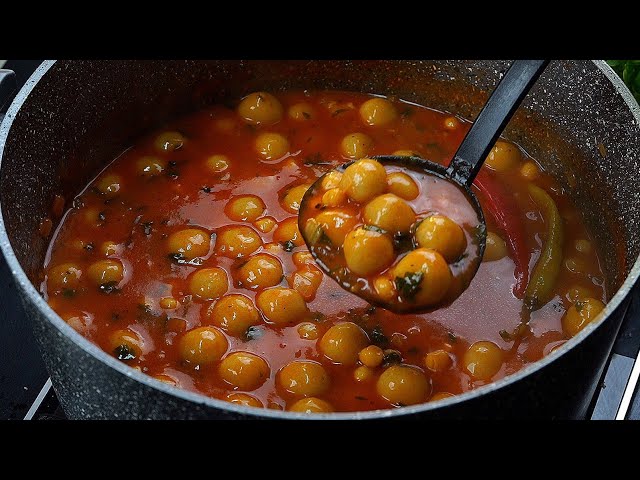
x: 26, y: 393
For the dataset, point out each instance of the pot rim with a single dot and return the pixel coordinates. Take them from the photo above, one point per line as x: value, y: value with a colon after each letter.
x: 92, y: 349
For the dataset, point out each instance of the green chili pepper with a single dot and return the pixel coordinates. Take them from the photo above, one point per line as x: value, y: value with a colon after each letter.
x: 540, y: 288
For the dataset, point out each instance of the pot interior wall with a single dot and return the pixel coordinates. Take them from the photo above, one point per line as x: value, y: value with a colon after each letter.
x: 84, y: 113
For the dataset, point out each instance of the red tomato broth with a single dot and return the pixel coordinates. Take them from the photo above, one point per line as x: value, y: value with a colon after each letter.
x: 188, y: 195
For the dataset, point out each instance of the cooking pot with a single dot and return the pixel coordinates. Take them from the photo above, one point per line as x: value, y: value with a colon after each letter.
x: 73, y: 117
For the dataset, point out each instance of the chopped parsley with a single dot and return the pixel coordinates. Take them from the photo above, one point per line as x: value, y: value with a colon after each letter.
x: 109, y: 287
x: 288, y: 246
x: 373, y: 228
x: 402, y: 242
x: 253, y: 333
x: 378, y: 337
x: 391, y: 357
x: 124, y: 352
x: 408, y: 285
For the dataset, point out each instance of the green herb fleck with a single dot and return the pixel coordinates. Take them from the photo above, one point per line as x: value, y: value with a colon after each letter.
x: 402, y: 242
x: 378, y: 337
x: 391, y: 357
x: 109, y: 287
x: 253, y: 333
x: 177, y: 257
x: 124, y: 353
x: 452, y: 338
x: 288, y: 246
x: 68, y: 292
x: 373, y: 228
x: 409, y: 285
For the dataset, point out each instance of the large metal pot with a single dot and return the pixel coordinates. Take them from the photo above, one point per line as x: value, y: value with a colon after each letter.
x: 73, y: 117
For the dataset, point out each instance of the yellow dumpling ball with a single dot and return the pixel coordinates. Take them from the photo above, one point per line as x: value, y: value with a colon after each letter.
x: 483, y: 360
x: 378, y: 112
x: 335, y: 224
x: 244, y: 208
x: 359, y: 244
x: 403, y: 385
x: 260, y: 271
x: 311, y: 405
x: 503, y: 156
x: 102, y: 272
x: 442, y: 234
x: 304, y: 378
x: 580, y: 314
x: 343, y: 342
x: 169, y: 141
x: 293, y: 197
x: 272, y: 146
x: 208, y: 283
x: 390, y: 213
x: 402, y: 185
x: 244, y: 370
x: 282, y: 306
x: 356, y: 145
x: 203, y: 345
x: 149, y: 166
x: 189, y: 243
x: 234, y: 314
x: 426, y: 274
x: 364, y: 179
x: 236, y: 242
x: 260, y: 108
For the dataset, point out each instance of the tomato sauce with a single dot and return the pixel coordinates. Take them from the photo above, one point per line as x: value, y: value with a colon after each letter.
x: 137, y: 206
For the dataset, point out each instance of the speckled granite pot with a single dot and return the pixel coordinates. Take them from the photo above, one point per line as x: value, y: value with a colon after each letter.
x: 72, y: 117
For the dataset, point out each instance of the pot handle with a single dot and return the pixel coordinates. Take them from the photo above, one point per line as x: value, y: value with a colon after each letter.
x: 8, y: 87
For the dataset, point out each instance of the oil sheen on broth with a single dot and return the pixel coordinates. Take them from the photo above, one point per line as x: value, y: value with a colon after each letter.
x: 183, y: 259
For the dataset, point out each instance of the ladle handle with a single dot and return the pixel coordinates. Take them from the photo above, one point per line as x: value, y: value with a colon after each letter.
x: 495, y: 115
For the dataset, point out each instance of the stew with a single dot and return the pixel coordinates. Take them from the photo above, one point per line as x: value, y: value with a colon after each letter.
x: 183, y: 259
